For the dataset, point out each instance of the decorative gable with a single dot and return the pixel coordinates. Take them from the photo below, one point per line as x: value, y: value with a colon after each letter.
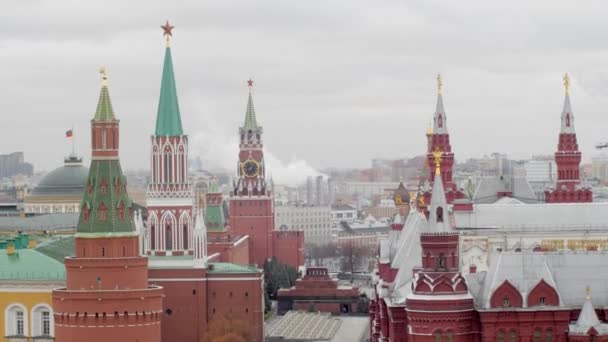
x: 506, y: 295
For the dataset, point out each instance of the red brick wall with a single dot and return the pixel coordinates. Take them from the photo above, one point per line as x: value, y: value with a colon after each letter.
x: 186, y: 301
x: 289, y: 247
x: 254, y: 217
x: 239, y: 297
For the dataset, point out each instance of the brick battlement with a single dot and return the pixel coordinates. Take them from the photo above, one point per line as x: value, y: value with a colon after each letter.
x: 284, y: 234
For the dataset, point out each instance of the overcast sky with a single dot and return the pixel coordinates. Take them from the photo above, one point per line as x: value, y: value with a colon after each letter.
x: 337, y: 83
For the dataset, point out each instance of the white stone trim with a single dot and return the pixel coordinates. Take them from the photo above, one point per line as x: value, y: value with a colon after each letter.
x: 34, y: 326
x: 9, y: 320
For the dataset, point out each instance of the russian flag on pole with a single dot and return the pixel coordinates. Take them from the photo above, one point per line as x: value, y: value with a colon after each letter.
x: 69, y: 133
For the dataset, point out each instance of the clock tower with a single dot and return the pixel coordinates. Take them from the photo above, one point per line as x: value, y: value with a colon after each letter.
x: 251, y: 205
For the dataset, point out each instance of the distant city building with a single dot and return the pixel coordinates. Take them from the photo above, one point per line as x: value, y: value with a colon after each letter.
x: 314, y: 221
x: 364, y: 233
x: 343, y: 213
x: 365, y: 189
x: 331, y: 191
x: 540, y: 174
x: 320, y: 200
x: 14, y: 164
x: 60, y: 191
x: 599, y: 168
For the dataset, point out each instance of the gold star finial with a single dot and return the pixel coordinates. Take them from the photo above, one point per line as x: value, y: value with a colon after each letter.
x: 104, y: 76
x: 439, y: 84
x: 567, y: 82
x: 587, y: 293
x: 437, y: 154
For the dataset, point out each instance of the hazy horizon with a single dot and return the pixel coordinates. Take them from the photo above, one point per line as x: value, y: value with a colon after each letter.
x: 336, y: 83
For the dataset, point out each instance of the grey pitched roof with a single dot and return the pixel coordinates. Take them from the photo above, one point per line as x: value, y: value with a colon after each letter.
x: 568, y: 272
x: 408, y: 255
x: 488, y: 187
x: 39, y: 222
x: 535, y: 217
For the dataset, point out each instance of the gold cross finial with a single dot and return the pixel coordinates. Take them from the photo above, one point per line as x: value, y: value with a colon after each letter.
x: 104, y: 76
x: 437, y: 154
x: 439, y: 84
x: 567, y: 82
x: 587, y: 293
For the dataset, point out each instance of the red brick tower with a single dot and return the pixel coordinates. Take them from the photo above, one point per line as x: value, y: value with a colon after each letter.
x: 169, y: 198
x: 107, y: 296
x: 439, y: 140
x: 568, y: 159
x: 251, y: 206
x: 440, y: 307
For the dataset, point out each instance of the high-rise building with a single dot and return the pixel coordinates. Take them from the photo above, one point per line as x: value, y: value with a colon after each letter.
x: 320, y: 199
x: 107, y: 296
x: 13, y: 164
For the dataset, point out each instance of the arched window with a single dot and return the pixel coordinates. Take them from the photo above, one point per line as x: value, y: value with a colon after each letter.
x: 513, y: 336
x: 438, y: 336
x: 185, y: 235
x: 15, y: 320
x: 441, y: 261
x: 101, y: 212
x: 549, y: 335
x: 439, y: 214
x: 121, y: 211
x: 500, y: 337
x: 168, y: 237
x: 450, y: 337
x: 537, y: 336
x: 168, y: 167
x: 153, y: 236
x: 42, y: 321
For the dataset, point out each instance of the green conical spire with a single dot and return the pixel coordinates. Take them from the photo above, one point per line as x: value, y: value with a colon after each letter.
x: 250, y: 121
x: 168, y: 119
x: 106, y: 209
x: 104, y: 110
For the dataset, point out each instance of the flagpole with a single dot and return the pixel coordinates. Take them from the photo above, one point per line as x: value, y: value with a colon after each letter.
x: 73, y: 152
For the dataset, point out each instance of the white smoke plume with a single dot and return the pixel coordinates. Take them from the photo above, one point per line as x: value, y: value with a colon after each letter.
x: 218, y: 149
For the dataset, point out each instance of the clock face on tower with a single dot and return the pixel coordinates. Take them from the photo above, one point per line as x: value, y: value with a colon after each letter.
x: 250, y: 168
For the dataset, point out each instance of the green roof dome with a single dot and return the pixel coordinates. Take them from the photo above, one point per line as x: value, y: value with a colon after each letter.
x: 70, y: 179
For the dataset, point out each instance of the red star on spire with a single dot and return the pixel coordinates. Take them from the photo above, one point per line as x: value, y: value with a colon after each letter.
x: 250, y: 83
x: 167, y: 29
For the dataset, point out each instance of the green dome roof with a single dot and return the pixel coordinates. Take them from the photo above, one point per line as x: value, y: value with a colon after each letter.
x: 70, y: 179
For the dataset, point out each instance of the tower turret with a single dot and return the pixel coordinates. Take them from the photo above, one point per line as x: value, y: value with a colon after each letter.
x: 568, y: 159
x: 438, y: 139
x: 251, y: 203
x: 170, y: 197
x: 107, y: 279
